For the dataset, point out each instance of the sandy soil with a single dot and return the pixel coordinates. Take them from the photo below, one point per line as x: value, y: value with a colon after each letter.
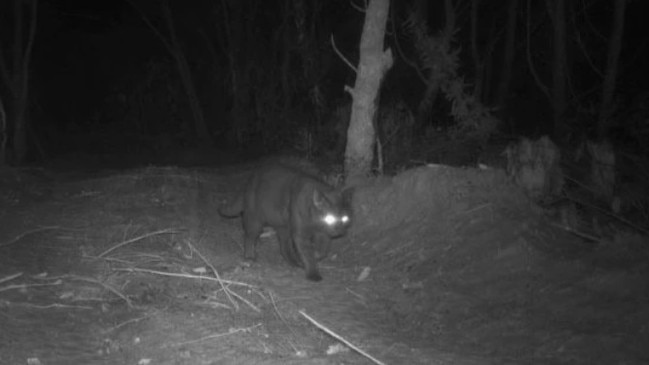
x: 443, y: 266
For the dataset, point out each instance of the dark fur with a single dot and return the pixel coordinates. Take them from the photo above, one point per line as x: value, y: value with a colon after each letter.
x: 294, y: 204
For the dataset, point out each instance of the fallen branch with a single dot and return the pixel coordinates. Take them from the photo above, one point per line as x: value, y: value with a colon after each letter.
x: 134, y: 320
x: 281, y: 317
x: 25, y: 286
x: 53, y: 305
x: 339, y: 338
x: 226, y: 290
x: 105, y: 286
x: 230, y: 332
x: 10, y: 277
x: 254, y: 307
x: 186, y: 276
x: 577, y: 233
x: 20, y: 236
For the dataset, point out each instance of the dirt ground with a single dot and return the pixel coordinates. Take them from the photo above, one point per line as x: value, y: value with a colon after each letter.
x: 442, y: 266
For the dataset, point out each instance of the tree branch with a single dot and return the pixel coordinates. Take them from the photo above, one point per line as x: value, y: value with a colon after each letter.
x: 528, y: 52
x: 28, y: 51
x: 342, y: 57
x: 155, y: 30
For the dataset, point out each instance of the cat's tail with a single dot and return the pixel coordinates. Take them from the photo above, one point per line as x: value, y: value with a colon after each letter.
x: 233, y: 208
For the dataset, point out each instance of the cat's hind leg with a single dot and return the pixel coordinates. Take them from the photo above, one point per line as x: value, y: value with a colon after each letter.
x: 252, y: 228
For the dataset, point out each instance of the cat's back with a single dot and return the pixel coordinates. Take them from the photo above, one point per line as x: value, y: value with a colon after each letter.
x: 275, y: 189
x: 278, y: 175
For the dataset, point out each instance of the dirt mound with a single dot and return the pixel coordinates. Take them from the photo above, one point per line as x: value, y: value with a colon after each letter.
x: 443, y: 265
x: 475, y: 268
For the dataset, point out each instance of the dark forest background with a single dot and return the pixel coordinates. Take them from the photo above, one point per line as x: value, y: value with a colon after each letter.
x: 141, y: 80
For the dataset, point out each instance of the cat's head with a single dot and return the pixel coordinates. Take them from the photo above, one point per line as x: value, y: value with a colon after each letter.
x: 333, y: 211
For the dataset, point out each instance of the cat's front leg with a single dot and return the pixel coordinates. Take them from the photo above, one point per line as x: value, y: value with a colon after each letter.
x: 321, y: 245
x: 286, y: 246
x: 305, y: 249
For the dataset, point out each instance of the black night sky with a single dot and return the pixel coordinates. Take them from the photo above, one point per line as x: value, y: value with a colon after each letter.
x: 104, y: 76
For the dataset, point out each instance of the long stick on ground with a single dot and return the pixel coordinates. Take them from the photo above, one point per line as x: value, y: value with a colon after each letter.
x: 339, y: 338
x: 10, y: 277
x: 20, y: 236
x: 186, y: 276
x: 216, y: 275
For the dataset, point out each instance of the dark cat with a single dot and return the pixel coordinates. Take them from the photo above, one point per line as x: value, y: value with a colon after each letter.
x: 305, y: 212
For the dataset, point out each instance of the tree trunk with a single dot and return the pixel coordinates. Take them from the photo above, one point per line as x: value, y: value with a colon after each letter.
x: 508, y: 58
x: 237, y: 19
x: 3, y: 133
x: 16, y: 80
x: 286, y: 32
x: 200, y: 127
x: 559, y: 72
x: 478, y: 63
x: 201, y: 131
x: 433, y: 83
x: 374, y: 63
x: 19, y: 137
x: 614, y: 47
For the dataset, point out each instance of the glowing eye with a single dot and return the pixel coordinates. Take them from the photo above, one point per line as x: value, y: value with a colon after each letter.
x: 329, y: 219
x: 344, y: 219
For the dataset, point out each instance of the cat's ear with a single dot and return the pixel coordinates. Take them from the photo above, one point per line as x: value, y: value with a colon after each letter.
x: 319, y: 199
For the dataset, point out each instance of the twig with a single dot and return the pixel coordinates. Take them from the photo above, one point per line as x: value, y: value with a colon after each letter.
x: 10, y: 277
x: 230, y: 332
x: 53, y: 305
x: 134, y: 320
x: 281, y: 317
x: 106, y: 286
x: 333, y: 44
x: 155, y: 30
x: 186, y: 276
x: 339, y: 338
x: 576, y: 232
x: 216, y: 275
x: 360, y: 297
x: 254, y: 307
x: 25, y: 286
x: 20, y: 236
x: 164, y: 231
x: 528, y: 53
x: 362, y: 10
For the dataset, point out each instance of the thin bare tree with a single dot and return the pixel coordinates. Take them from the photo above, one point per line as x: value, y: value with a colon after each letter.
x: 235, y: 40
x: 174, y: 47
x: 478, y: 59
x: 14, y: 74
x: 374, y: 62
x: 433, y: 78
x: 557, y: 11
x: 610, y: 78
x: 508, y: 56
